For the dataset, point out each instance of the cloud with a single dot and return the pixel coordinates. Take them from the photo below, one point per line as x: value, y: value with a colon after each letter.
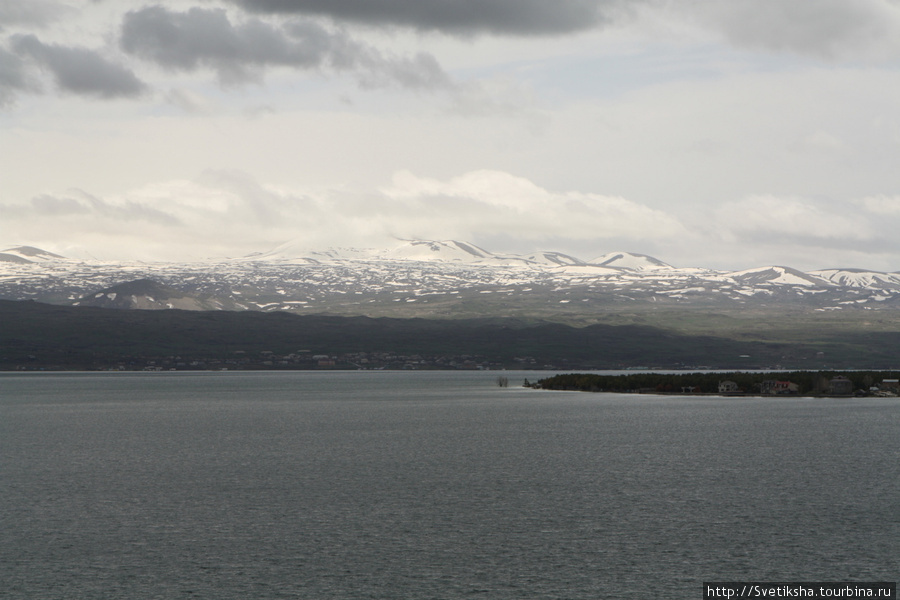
x: 229, y: 213
x: 31, y: 12
x: 239, y: 52
x: 189, y: 101
x: 14, y: 77
x: 222, y: 213
x: 768, y: 218
x: 458, y: 17
x: 80, y: 70
x: 803, y: 233
x: 80, y: 203
x: 825, y: 29
x: 482, y: 202
x: 881, y: 205
x: 55, y: 206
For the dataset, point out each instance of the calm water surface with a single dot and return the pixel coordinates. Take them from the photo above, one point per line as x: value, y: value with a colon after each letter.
x: 430, y: 485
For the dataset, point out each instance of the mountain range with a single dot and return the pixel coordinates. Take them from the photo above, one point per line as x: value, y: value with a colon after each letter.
x: 440, y: 279
x: 446, y: 300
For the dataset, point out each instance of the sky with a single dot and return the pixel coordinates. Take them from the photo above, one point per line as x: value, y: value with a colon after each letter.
x: 708, y: 133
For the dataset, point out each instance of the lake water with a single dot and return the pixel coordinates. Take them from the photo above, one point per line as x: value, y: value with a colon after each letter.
x: 421, y: 485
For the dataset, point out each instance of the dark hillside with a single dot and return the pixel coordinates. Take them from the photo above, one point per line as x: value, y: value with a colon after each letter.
x: 35, y: 335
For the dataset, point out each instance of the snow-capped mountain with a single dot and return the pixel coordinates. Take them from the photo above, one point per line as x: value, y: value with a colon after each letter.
x: 860, y: 278
x: 779, y: 275
x: 27, y: 254
x: 436, y: 278
x: 449, y: 251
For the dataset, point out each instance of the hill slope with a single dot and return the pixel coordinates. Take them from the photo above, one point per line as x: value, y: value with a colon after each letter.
x: 146, y: 294
x: 36, y: 335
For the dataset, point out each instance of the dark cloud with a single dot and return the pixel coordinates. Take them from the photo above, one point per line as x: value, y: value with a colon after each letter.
x: 239, y: 52
x: 465, y: 17
x: 206, y: 38
x: 13, y: 77
x: 419, y: 72
x: 79, y: 70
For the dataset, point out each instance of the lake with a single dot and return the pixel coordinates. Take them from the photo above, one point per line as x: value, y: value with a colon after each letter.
x: 420, y: 485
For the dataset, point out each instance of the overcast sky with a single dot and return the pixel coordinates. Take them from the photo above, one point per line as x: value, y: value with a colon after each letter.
x: 716, y: 133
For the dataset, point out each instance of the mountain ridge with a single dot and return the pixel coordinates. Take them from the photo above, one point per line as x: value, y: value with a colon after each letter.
x: 445, y: 279
x: 436, y: 251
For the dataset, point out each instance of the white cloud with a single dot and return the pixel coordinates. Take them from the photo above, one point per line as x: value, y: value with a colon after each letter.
x: 485, y: 201
x: 226, y: 212
x: 881, y: 205
x: 792, y: 219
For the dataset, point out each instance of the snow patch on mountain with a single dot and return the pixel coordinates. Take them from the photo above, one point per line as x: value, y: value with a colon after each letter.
x: 445, y: 251
x: 630, y: 261
x: 860, y: 278
x: 554, y: 259
x: 146, y: 294
x: 779, y: 275
x: 28, y: 254
x: 293, y: 251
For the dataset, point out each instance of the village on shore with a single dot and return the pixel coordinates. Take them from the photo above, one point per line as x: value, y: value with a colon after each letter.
x: 796, y: 383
